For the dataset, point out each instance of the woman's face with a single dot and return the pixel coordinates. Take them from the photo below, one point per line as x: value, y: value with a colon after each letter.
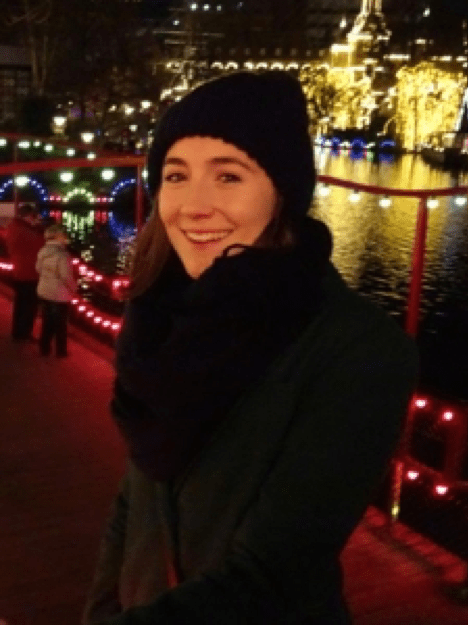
x: 212, y: 195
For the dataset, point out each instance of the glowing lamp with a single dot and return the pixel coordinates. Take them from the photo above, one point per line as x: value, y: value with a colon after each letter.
x: 412, y: 475
x: 21, y: 181
x: 87, y: 136
x: 81, y: 308
x: 324, y: 190
x: 70, y: 152
x: 90, y: 313
x: 97, y: 319
x: 106, y: 323
x: 75, y: 302
x: 421, y: 403
x: 91, y: 156
x: 98, y: 278
x: 447, y: 415
x: 107, y: 174
x: 355, y: 196
x: 432, y: 202
x: 75, y: 261
x: 144, y: 174
x: 461, y: 200
x: 48, y: 147
x: 24, y: 144
x: 145, y: 104
x: 441, y: 489
x: 3, y: 142
x: 116, y: 326
x: 385, y: 202
x: 66, y: 176
x: 116, y: 284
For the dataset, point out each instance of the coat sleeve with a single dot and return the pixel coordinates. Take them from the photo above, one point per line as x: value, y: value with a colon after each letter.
x: 65, y: 271
x: 282, y: 561
x: 103, y: 598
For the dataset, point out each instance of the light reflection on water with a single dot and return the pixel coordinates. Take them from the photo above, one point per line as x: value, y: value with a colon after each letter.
x: 373, y: 251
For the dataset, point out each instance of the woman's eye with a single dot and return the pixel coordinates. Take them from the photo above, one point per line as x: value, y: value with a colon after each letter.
x: 175, y: 176
x: 228, y: 177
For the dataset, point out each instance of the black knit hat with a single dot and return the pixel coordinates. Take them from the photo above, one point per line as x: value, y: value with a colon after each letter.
x: 264, y: 114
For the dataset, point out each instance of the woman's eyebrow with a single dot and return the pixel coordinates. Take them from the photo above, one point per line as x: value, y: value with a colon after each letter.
x: 174, y: 160
x: 229, y: 160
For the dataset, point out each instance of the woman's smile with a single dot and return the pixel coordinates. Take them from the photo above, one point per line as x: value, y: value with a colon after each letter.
x: 206, y: 236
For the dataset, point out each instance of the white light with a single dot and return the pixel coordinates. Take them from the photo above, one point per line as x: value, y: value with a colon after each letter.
x: 133, y: 127
x: 413, y: 475
x: 432, y: 202
x: 460, y: 200
x: 49, y: 147
x: 107, y: 174
x: 427, y: 12
x: 21, y: 181
x: 343, y: 23
x: 145, y: 104
x: 60, y: 120
x: 206, y: 7
x: 219, y: 7
x: 37, y: 144
x: 87, y: 136
x: 176, y: 22
x: 66, y: 176
x: 3, y: 142
x: 385, y: 202
x: 91, y: 156
x: 70, y: 152
x: 128, y: 109
x: 324, y: 190
x: 24, y: 144
x: 355, y: 196
x: 194, y: 6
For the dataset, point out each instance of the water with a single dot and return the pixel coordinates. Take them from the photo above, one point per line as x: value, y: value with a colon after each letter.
x: 373, y: 251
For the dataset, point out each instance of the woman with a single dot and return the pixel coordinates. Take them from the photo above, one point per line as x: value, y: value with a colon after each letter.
x: 260, y: 398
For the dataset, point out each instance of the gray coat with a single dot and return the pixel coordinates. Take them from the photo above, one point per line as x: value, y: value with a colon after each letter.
x: 55, y: 269
x: 256, y: 523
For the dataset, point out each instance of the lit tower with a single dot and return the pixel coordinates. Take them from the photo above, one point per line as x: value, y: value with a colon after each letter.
x: 369, y: 34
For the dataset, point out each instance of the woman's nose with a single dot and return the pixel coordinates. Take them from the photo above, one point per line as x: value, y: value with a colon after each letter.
x: 197, y: 202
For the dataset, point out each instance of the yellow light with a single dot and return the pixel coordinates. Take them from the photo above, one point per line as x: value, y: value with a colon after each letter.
x: 355, y: 196
x: 432, y: 202
x: 87, y: 136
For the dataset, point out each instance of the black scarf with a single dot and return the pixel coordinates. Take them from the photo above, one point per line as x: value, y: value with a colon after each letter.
x: 190, y: 348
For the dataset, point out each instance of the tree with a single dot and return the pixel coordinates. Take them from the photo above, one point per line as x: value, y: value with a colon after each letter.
x: 320, y: 94
x: 428, y: 101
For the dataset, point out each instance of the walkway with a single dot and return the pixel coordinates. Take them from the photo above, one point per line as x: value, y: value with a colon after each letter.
x: 60, y: 462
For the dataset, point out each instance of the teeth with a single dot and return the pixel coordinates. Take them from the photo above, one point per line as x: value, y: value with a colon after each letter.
x: 206, y: 237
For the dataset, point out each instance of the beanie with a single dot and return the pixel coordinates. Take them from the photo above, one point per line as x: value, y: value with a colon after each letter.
x: 264, y: 114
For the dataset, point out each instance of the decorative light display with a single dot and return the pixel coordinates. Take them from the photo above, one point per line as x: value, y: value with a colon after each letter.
x: 21, y: 181
x: 120, y: 186
x: 3, y: 142
x: 35, y: 184
x: 24, y: 145
x: 432, y: 202
x: 71, y: 152
x: 49, y: 147
x: 428, y: 102
x: 80, y: 193
x: 355, y: 197
x: 91, y: 156
x: 385, y: 202
x: 120, y: 230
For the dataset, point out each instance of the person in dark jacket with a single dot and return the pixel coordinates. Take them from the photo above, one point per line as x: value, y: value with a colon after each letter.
x: 24, y: 239
x: 260, y: 398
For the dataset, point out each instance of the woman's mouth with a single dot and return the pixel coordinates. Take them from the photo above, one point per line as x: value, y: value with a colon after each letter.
x: 206, y: 236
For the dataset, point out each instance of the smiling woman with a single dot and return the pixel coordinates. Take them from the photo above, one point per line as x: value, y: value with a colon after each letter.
x: 259, y: 397
x: 212, y: 196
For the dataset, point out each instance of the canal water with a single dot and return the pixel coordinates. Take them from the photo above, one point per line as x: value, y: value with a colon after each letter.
x: 373, y: 251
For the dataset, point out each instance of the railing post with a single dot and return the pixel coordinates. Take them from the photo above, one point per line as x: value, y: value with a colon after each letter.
x: 15, y: 188
x: 417, y: 270
x: 139, y: 199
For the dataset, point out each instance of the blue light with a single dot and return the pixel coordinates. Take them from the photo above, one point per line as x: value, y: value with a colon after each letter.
x: 358, y: 144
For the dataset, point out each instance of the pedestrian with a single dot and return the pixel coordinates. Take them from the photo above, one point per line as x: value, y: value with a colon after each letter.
x: 260, y: 398
x: 56, y: 288
x: 24, y: 238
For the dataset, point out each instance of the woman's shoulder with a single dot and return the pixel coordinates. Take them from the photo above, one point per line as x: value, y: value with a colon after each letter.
x: 352, y: 319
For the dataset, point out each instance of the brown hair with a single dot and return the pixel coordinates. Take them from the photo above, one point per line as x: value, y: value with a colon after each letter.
x: 152, y: 246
